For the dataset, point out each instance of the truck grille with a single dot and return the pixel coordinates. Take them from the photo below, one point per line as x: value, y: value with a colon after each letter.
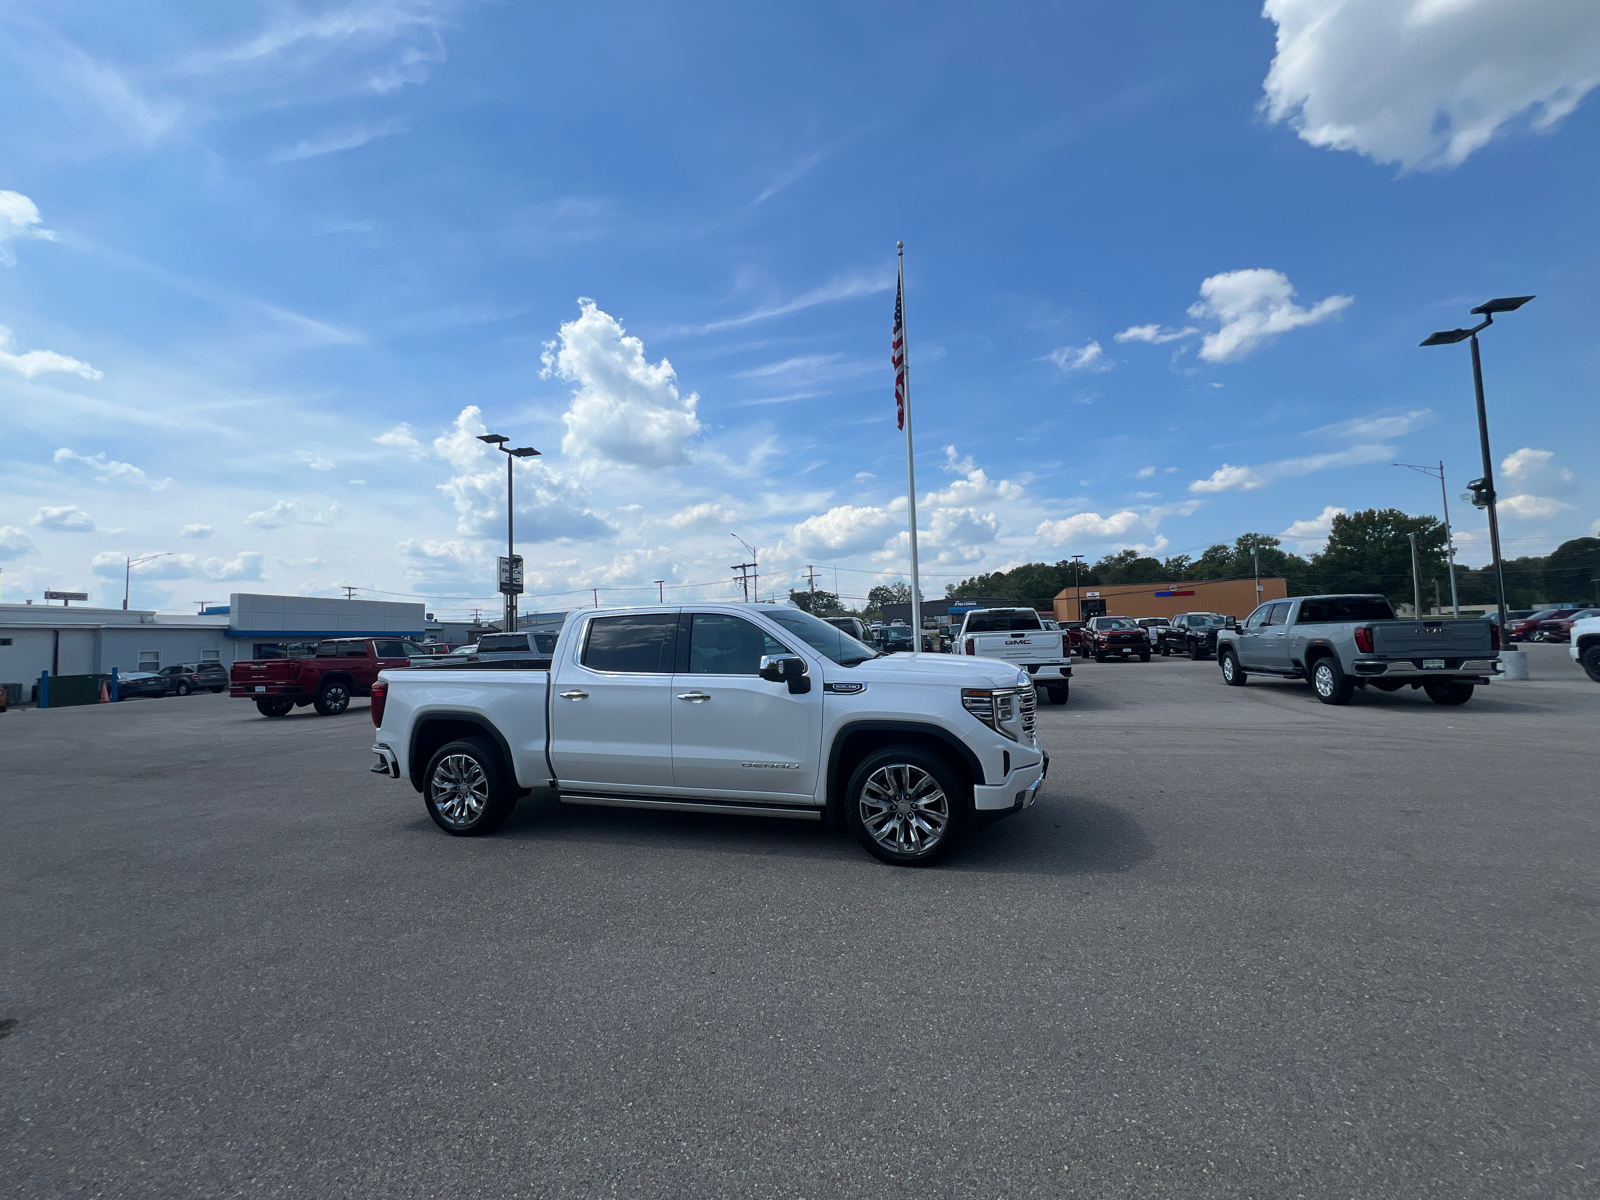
x: 1027, y: 701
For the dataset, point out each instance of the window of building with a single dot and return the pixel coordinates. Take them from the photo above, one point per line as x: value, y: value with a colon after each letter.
x: 5, y: 641
x: 211, y: 655
x: 149, y: 660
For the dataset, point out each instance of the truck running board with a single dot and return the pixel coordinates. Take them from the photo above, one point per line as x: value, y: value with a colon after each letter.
x: 734, y: 807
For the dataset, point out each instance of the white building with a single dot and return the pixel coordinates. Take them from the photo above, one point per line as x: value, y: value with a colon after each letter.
x: 77, y: 640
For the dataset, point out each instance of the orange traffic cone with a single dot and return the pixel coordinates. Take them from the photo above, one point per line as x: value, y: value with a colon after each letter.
x: 105, y: 696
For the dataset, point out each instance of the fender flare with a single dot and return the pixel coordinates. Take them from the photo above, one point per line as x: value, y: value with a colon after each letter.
x: 1318, y: 644
x: 870, y: 725
x: 434, y: 715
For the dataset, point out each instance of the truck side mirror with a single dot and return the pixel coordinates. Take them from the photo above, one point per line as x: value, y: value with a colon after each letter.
x: 785, y: 668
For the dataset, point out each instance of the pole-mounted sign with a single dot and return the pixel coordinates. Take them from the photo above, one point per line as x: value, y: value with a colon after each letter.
x: 65, y: 596
x: 511, y: 575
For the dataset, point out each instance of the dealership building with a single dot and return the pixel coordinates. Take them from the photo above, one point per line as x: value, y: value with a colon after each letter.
x: 1230, y: 597
x: 68, y: 639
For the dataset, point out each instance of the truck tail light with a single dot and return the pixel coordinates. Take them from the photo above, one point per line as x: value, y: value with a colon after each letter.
x: 1494, y: 637
x: 1066, y: 645
x: 972, y: 646
x: 380, y: 693
x: 1364, y: 638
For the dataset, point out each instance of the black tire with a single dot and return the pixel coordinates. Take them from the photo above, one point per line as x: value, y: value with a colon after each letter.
x: 181, y: 689
x: 1057, y: 693
x: 1099, y: 657
x: 1590, y: 659
x: 274, y: 708
x: 1197, y: 652
x: 467, y: 788
x: 1145, y: 657
x: 333, y: 698
x: 883, y: 794
x: 1232, y: 673
x: 217, y: 691
x: 1448, y: 691
x: 1330, y: 683
x: 1165, y: 651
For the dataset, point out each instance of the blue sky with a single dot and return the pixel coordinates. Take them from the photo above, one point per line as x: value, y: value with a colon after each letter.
x: 266, y: 269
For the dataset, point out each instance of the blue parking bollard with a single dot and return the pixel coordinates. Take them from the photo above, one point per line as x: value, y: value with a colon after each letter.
x: 44, y: 689
x: 114, y: 696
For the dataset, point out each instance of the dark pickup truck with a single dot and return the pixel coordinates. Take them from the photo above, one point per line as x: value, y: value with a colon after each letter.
x: 340, y: 668
x: 1194, y: 634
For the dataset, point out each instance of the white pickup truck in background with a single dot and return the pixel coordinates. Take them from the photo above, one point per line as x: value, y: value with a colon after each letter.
x: 1017, y: 635
x: 730, y: 708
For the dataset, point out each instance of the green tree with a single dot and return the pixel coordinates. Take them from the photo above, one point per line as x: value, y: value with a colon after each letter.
x: 1572, y: 572
x: 1129, y: 566
x: 887, y: 593
x: 827, y: 602
x: 1370, y: 551
x: 1237, y: 561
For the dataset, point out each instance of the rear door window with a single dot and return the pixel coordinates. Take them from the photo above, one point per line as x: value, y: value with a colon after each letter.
x: 642, y: 643
x: 1330, y: 610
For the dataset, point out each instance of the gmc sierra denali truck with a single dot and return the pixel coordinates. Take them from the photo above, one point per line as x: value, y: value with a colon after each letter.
x: 730, y: 708
x: 1017, y: 635
x: 1341, y: 643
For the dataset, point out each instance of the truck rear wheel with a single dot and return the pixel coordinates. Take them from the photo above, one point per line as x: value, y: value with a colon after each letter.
x: 1232, y: 673
x: 906, y: 806
x: 1197, y: 652
x: 467, y: 788
x: 1330, y: 683
x: 1448, y: 691
x: 1591, y: 662
x: 333, y: 698
x: 274, y: 708
x: 1057, y: 693
x: 1165, y: 652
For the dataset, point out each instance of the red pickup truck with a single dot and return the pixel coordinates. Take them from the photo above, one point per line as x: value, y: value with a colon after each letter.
x: 341, y: 668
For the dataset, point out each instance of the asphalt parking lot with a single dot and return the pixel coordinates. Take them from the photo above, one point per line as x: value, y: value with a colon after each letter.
x: 1245, y: 945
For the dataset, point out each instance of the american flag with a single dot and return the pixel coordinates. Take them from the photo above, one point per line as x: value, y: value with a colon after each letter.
x: 897, y: 352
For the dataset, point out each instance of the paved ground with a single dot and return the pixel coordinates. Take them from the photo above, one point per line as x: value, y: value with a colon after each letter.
x: 1246, y: 945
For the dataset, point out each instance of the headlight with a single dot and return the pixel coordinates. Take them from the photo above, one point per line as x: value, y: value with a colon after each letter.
x: 998, y: 708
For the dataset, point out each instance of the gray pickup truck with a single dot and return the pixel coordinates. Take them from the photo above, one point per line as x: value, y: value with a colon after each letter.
x: 1341, y: 643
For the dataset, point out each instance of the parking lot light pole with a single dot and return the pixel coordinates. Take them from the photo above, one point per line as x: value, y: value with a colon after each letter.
x: 1449, y: 337
x: 498, y: 441
x: 1449, y: 538
x: 128, y: 564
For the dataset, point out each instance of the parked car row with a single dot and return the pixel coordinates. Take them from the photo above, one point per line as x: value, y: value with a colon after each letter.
x: 180, y: 679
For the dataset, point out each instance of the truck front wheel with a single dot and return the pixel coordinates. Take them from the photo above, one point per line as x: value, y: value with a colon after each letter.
x: 468, y: 790
x: 1591, y: 662
x: 333, y: 698
x: 906, y: 806
x: 1232, y: 673
x: 1448, y: 691
x: 1330, y: 683
x: 274, y: 708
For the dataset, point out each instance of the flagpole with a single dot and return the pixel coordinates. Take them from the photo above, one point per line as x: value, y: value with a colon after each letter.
x: 911, y: 466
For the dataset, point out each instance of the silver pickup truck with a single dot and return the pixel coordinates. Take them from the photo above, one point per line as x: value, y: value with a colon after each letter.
x: 1341, y: 643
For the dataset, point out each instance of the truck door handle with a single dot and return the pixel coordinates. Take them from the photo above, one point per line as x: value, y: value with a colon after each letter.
x: 574, y: 695
x: 694, y: 696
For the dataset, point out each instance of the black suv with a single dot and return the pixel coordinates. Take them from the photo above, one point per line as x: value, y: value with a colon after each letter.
x: 184, y: 678
x: 1194, y: 634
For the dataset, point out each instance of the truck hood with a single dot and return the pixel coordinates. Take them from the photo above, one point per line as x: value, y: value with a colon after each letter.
x: 953, y: 670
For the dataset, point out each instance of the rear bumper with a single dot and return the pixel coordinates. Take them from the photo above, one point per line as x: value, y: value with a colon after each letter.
x: 258, y: 691
x: 387, y: 763
x: 1472, y: 668
x: 1044, y: 672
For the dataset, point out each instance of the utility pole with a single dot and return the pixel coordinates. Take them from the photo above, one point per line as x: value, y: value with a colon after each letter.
x: 661, y: 590
x: 511, y: 568
x: 349, y: 591
x: 128, y: 564
x: 1255, y: 557
x: 744, y: 570
x: 1449, y: 538
x: 811, y: 574
x: 1077, y: 577
x: 1416, y: 579
x: 755, y: 569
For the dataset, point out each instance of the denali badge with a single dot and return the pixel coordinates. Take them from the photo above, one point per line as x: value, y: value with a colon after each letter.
x: 774, y: 766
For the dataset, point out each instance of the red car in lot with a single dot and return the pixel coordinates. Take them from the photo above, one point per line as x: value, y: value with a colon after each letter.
x: 1559, y: 629
x: 340, y: 668
x: 1118, y: 637
x: 1531, y: 628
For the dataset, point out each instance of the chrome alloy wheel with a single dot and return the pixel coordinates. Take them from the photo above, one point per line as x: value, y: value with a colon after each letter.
x: 1322, y: 678
x: 1228, y: 668
x: 904, y: 808
x: 460, y: 789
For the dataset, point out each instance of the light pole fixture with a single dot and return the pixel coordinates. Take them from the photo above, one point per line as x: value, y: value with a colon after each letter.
x: 1449, y: 539
x: 1484, y: 487
x: 511, y: 571
x: 128, y: 564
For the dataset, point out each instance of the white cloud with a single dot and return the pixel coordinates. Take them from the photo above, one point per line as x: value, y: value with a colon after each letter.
x: 334, y: 142
x: 317, y: 462
x: 957, y: 533
x: 624, y: 409
x: 401, y: 437
x: 1144, y: 472
x: 842, y: 287
x: 1091, y: 527
x: 41, y: 362
x: 19, y: 218
x: 1530, y: 507
x: 844, y: 530
x: 14, y: 543
x: 700, y: 516
x: 1528, y: 465
x: 1253, y: 306
x: 1081, y: 358
x: 67, y: 517
x: 246, y: 566
x: 459, y: 553
x: 1424, y: 83
x: 107, y: 470
x: 1311, y: 534
x: 1227, y: 478
x: 195, y: 531
x: 1535, y: 471
x: 1154, y: 334
x: 1377, y: 425
x: 292, y: 512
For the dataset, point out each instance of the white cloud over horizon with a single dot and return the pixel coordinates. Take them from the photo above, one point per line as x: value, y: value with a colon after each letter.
x: 34, y: 363
x: 1252, y: 307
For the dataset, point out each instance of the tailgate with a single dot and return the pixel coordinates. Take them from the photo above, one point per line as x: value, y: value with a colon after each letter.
x: 1019, y: 647
x: 1430, y: 639
x: 271, y: 670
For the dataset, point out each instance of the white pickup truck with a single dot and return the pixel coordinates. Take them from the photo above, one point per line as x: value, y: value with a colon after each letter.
x: 730, y: 708
x: 1017, y: 635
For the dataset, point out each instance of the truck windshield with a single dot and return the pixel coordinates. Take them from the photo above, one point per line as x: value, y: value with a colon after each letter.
x: 1206, y: 620
x: 1114, y: 623
x: 1329, y: 610
x: 1002, y: 622
x: 822, y: 637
